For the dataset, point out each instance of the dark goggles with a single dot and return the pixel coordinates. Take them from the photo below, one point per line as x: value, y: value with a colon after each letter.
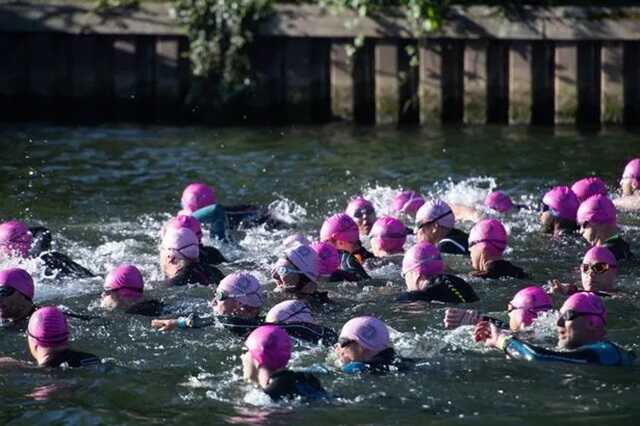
x: 343, y: 343
x: 570, y: 315
x: 221, y: 295
x: 363, y: 212
x: 115, y: 290
x: 595, y: 268
x: 434, y: 220
x: 6, y: 292
x: 498, y: 244
x: 532, y: 310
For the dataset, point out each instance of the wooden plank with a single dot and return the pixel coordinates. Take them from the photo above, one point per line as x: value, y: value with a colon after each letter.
x: 475, y: 82
x: 566, y: 82
x: 452, y: 81
x: 409, y: 82
x: 498, y: 82
x: 631, y: 83
x: 430, y: 82
x: 364, y: 100
x: 589, y: 79
x: 612, y: 107
x: 341, y: 81
x: 520, y: 82
x: 543, y: 87
x: 320, y: 80
x: 298, y: 80
x: 386, y: 83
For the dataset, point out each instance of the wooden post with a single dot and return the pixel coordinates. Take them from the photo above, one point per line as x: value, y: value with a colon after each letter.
x: 41, y: 77
x: 589, y: 79
x: 341, y: 82
x: 145, y: 78
x: 320, y: 80
x: 408, y: 81
x: 167, y: 78
x: 452, y: 81
x: 430, y: 82
x: 612, y: 99
x: 125, y: 77
x: 542, y: 88
x: 475, y: 82
x: 14, y: 76
x: 498, y: 82
x: 386, y: 83
x: 566, y: 82
x: 298, y: 79
x: 364, y: 99
x: 84, y: 90
x: 631, y: 83
x: 520, y: 80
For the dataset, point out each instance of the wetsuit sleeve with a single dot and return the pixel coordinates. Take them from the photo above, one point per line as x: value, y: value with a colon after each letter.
x: 211, y: 255
x: 55, y: 261
x: 213, y: 217
x: 194, y: 321
x: 41, y: 240
x: 350, y: 264
x: 456, y: 242
x: 602, y: 353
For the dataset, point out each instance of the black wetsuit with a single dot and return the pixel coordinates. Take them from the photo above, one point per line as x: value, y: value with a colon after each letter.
x: 239, y: 326
x: 619, y: 248
x: 384, y: 362
x: 196, y: 273
x: 71, y: 358
x: 455, y: 242
x: 443, y: 288
x: 499, y: 269
x: 351, y: 267
x: 316, y: 299
x: 363, y: 254
x: 211, y: 255
x: 147, y: 308
x: 309, y: 332
x: 55, y: 262
x: 292, y: 384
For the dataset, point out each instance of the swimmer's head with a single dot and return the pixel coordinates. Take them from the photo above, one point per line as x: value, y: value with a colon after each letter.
x: 559, y: 209
x: 582, y: 320
x: 16, y: 294
x: 599, y: 269
x: 184, y: 221
x: 328, y: 258
x: 15, y: 239
x: 488, y: 239
x: 268, y: 348
x: 294, y: 240
x: 341, y: 231
x: 421, y: 263
x: 47, y: 330
x: 297, y: 271
x: 361, y: 339
x: 124, y: 283
x: 238, y: 294
x: 498, y: 201
x: 363, y: 213
x: 597, y: 218
x: 388, y: 235
x: 182, y: 243
x: 434, y: 220
x: 588, y: 187
x: 526, y: 305
x: 407, y: 202
x: 630, y: 181
x: 290, y: 311
x: 196, y: 196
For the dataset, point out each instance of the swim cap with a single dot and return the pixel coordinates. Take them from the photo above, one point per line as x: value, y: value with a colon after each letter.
x: 389, y: 233
x: 182, y: 241
x: 632, y: 171
x: 498, y: 201
x: 562, y: 202
x: 358, y: 204
x: 295, y: 239
x: 290, y: 311
x: 126, y: 279
x: 185, y: 221
x: 424, y: 258
x: 586, y: 303
x: 19, y: 280
x: 529, y: 302
x: 600, y: 254
x: 368, y: 332
x: 491, y: 233
x: 340, y: 227
x: 48, y: 327
x: 15, y: 238
x: 407, y: 202
x: 589, y: 186
x: 196, y: 196
x: 597, y: 209
x: 305, y: 259
x: 243, y: 287
x: 328, y: 258
x: 270, y: 346
x: 435, y: 211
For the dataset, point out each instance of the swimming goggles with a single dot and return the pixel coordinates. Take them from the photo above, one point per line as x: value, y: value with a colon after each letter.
x: 435, y: 219
x: 221, y: 295
x: 363, y: 212
x: 595, y: 268
x: 570, y: 315
x: 498, y: 244
x: 533, y: 310
x: 343, y: 343
x: 115, y: 290
x: 6, y: 292
x: 303, y: 310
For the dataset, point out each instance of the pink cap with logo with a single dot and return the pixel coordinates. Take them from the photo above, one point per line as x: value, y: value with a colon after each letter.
x: 48, y: 327
x: 15, y: 239
x: 196, y: 196
x: 498, y: 201
x: 270, y: 346
x: 529, y: 302
x: 424, y: 258
x: 389, y: 234
x: 407, y: 202
x: 328, y: 258
x: 368, y: 332
x: 598, y: 209
x: 562, y: 202
x: 491, y: 233
x: 589, y: 186
x: 243, y: 287
x: 18, y: 279
x: 340, y: 227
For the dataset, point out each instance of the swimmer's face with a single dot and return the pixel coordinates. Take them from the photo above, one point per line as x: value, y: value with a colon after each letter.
x: 411, y: 279
x: 346, y: 246
x: 249, y: 368
x: 575, y: 333
x: 598, y: 281
x: 365, y: 222
x: 547, y: 221
x: 350, y: 351
x: 476, y: 256
x: 588, y: 232
x: 627, y: 187
x: 14, y: 306
x: 227, y: 307
x: 109, y: 301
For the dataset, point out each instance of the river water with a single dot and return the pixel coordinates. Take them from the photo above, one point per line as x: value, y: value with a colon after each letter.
x: 105, y: 192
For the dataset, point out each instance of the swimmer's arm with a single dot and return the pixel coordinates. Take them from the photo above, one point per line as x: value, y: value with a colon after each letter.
x: 356, y: 268
x: 8, y: 363
x: 462, y: 212
x: 215, y: 217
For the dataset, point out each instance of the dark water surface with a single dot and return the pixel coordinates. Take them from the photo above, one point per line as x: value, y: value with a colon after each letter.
x: 105, y: 193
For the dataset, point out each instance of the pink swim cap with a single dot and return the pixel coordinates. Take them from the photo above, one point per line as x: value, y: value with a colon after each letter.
x: 632, y: 171
x: 529, y: 302
x: 183, y: 242
x: 424, y: 258
x: 19, y: 280
x: 586, y: 303
x: 196, y: 196
x: 600, y: 254
x: 498, y: 201
x: 589, y: 186
x: 270, y: 346
x: 435, y: 211
x: 407, y: 202
x: 357, y: 205
x: 243, y: 287
x: 305, y: 259
x: 368, y: 332
x: 598, y: 209
x: 562, y: 202
x: 185, y: 221
x: 328, y: 258
x: 295, y: 239
x: 340, y: 227
x: 15, y: 238
x: 389, y: 233
x: 126, y: 280
x: 290, y: 311
x: 491, y: 233
x: 48, y: 327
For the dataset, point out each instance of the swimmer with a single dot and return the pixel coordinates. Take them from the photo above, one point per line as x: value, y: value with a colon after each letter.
x: 495, y: 203
x: 598, y: 272
x: 630, y: 187
x: 329, y: 264
x: 363, y: 214
x: 294, y: 316
x: 264, y: 364
x: 209, y: 255
x: 342, y: 232
x: 388, y: 236
x: 297, y: 274
x: 236, y: 305
x: 16, y: 297
x: 124, y: 291
x: 559, y: 210
x: 487, y: 242
x: 364, y: 346
x: 180, y: 260
x: 582, y: 336
x: 293, y: 240
x: 522, y: 310
x: 48, y: 339
x: 435, y: 224
x: 423, y: 271
x: 598, y: 225
x: 16, y: 240
x: 407, y: 203
x: 588, y: 187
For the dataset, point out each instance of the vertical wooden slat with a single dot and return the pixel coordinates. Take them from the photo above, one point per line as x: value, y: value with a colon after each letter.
x: 125, y: 77
x: 612, y: 99
x: 566, y: 82
x: 145, y: 77
x: 408, y: 80
x: 386, y: 84
x: 542, y: 88
x: 104, y: 66
x: 498, y: 82
x: 364, y: 99
x: 520, y: 80
x: 62, y: 70
x: 320, y: 80
x: 452, y: 81
x: 589, y: 78
x: 84, y: 88
x: 41, y: 77
x: 631, y: 83
x: 14, y: 76
x: 475, y: 82
x: 267, y: 101
x: 341, y: 82
x: 298, y: 80
x: 430, y: 82
x: 167, y: 78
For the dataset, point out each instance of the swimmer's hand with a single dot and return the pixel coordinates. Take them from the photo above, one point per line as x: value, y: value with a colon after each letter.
x: 488, y: 333
x: 165, y: 325
x: 556, y: 287
x: 456, y: 317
